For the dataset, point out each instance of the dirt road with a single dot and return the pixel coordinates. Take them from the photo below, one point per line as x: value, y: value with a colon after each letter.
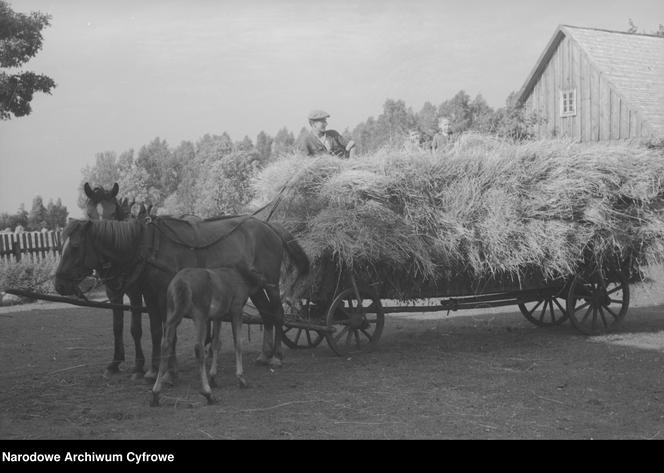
x: 485, y: 375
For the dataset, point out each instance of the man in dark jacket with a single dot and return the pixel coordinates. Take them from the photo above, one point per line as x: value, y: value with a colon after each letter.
x: 319, y: 140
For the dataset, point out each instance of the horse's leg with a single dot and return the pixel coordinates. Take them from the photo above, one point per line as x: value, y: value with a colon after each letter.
x: 199, y: 349
x: 215, y: 345
x: 166, y: 346
x: 137, y: 334
x: 155, y: 309
x: 236, y: 323
x: 277, y: 311
x: 118, y: 343
x: 262, y: 303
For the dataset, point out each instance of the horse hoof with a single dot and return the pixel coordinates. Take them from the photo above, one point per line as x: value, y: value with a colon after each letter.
x: 150, y: 375
x: 168, y: 378
x: 136, y: 375
x: 210, y: 399
x: 275, y: 363
x: 213, y: 383
x: 262, y: 360
x: 155, y: 400
x: 111, y: 370
x: 242, y: 382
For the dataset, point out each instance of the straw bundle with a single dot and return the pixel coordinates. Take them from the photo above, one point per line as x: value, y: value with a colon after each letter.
x: 484, y: 208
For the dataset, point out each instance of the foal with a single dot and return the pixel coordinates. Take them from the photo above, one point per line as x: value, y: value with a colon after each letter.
x: 206, y: 295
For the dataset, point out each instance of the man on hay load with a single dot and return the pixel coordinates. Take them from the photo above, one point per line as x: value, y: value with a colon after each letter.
x: 322, y: 141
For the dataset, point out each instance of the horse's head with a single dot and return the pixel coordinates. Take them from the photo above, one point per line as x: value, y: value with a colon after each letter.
x: 78, y: 258
x: 103, y: 204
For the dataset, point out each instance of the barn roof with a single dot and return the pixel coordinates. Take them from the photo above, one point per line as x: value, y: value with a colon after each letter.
x: 632, y: 63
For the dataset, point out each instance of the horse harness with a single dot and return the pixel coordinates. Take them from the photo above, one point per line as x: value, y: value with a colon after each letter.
x: 148, y: 253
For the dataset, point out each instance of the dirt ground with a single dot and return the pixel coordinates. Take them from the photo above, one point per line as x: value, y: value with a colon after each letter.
x: 480, y: 375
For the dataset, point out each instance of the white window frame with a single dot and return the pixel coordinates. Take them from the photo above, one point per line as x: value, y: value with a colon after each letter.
x: 568, y: 103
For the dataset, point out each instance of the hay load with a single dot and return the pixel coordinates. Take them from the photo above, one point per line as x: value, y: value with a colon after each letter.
x: 484, y: 209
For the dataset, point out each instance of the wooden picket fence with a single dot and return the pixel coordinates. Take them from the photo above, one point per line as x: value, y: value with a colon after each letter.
x: 33, y: 245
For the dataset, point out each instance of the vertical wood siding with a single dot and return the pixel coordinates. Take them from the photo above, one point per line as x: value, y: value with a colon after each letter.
x: 601, y: 112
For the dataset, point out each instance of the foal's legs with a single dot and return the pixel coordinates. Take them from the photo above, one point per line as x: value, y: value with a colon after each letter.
x: 199, y: 349
x: 166, y: 350
x: 236, y: 323
x: 215, y: 345
x: 156, y: 307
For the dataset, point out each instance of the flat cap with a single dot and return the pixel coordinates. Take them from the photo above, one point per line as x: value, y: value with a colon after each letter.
x: 318, y: 115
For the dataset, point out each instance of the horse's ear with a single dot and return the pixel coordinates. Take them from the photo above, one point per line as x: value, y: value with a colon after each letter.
x: 88, y: 191
x: 115, y: 190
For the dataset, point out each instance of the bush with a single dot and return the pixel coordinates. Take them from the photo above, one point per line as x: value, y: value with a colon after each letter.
x: 28, y: 275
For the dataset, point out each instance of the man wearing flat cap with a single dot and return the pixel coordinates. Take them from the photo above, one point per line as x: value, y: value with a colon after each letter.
x: 322, y: 141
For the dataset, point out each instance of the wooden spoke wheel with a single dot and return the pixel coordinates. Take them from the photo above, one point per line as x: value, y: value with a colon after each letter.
x: 358, y: 324
x: 596, y: 304
x: 297, y: 338
x: 548, y: 311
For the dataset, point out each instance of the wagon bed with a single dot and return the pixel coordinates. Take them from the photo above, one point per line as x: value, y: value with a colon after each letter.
x: 351, y: 317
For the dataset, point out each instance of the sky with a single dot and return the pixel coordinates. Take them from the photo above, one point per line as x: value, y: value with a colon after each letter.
x: 129, y: 71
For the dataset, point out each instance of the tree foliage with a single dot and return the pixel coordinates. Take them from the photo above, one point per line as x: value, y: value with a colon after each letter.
x: 213, y: 175
x: 20, y: 40
x: 52, y: 216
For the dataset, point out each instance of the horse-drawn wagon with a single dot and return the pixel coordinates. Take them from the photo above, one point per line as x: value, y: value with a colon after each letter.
x: 351, y: 317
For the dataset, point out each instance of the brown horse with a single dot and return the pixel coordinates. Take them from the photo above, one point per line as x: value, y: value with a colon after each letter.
x: 205, y: 295
x: 146, y: 256
x: 103, y: 204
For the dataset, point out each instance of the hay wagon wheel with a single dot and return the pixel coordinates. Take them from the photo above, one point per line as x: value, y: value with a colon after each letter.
x: 299, y: 337
x: 549, y: 310
x: 597, y: 303
x: 357, y: 317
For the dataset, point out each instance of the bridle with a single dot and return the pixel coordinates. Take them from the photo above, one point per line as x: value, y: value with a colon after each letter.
x: 94, y: 257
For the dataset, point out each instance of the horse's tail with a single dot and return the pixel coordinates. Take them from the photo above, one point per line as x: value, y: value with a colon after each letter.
x: 295, y: 251
x: 179, y: 299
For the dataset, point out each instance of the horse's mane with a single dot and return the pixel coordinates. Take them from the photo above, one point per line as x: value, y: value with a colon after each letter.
x: 120, y: 236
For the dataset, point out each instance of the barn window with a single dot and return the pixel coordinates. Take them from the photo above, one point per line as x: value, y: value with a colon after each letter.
x: 568, y: 103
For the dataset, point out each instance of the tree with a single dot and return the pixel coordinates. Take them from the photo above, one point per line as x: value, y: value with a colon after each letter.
x: 366, y: 136
x: 513, y: 121
x: 427, y: 121
x: 263, y: 146
x: 225, y: 188
x: 632, y: 27
x: 457, y: 109
x: 56, y: 214
x: 480, y: 113
x: 104, y: 173
x: 211, y: 148
x: 156, y: 159
x: 20, y: 40
x: 283, y: 143
x: 37, y: 219
x: 245, y: 145
x: 395, y: 122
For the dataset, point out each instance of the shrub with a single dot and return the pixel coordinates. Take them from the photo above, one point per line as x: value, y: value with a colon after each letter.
x: 28, y: 275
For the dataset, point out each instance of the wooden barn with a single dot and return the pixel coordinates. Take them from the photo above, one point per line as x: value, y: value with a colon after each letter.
x: 591, y: 85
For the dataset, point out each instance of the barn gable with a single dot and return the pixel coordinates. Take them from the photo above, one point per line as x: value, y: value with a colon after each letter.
x: 617, y: 79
